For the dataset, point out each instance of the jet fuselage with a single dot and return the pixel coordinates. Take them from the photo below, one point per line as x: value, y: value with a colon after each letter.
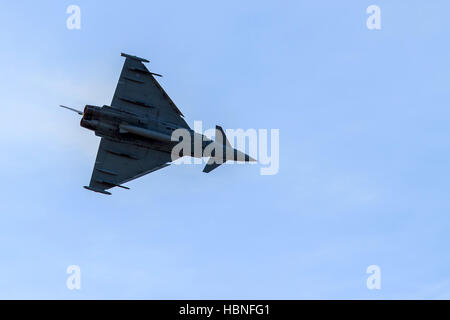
x: 130, y: 128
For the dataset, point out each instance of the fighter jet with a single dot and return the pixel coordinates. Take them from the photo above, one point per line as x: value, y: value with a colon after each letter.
x: 137, y: 129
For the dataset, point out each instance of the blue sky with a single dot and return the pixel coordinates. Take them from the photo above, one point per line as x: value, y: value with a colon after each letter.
x: 364, y: 148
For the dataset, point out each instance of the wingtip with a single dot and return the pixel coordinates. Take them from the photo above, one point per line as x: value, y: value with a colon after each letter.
x: 133, y: 57
x: 97, y: 190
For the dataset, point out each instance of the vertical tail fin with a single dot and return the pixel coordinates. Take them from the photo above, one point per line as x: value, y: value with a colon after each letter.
x: 222, y: 139
x: 221, y: 136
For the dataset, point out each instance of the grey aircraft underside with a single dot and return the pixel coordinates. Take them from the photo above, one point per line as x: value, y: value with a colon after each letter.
x: 136, y: 131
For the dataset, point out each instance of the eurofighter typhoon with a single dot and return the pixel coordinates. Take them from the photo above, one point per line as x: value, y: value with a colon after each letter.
x: 137, y: 131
